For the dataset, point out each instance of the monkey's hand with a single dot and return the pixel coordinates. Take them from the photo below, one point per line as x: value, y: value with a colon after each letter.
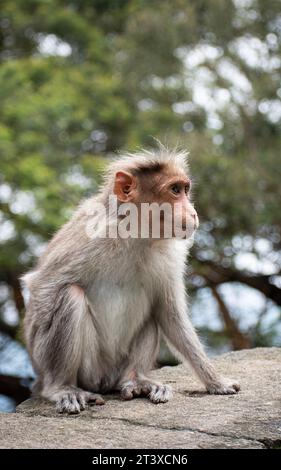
x: 223, y: 387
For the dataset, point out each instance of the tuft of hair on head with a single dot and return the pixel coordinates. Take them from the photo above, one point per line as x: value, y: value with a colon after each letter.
x: 27, y: 278
x: 147, y: 161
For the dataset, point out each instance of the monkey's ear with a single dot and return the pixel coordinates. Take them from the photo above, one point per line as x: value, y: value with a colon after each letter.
x: 124, y: 185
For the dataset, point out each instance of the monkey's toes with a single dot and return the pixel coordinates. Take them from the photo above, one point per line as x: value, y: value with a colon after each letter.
x: 226, y: 387
x: 69, y: 403
x: 74, y: 402
x: 160, y: 393
x: 127, y: 393
x: 156, y: 393
x: 130, y: 390
x: 94, y: 398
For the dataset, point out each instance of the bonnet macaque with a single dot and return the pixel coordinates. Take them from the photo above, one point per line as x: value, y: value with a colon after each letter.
x: 100, y: 296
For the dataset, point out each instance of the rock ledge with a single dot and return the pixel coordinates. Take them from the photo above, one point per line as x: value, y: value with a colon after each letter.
x: 192, y: 419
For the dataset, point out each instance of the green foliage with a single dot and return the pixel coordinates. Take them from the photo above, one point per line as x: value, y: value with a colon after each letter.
x: 114, y: 74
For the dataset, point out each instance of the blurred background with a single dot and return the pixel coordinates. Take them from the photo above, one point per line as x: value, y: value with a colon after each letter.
x: 80, y: 80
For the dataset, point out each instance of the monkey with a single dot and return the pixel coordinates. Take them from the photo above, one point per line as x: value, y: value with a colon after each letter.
x: 98, y: 304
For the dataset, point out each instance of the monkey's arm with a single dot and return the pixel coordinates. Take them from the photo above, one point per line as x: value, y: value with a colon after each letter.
x: 173, y: 319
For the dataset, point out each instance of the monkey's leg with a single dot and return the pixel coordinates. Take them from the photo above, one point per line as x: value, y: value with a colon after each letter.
x: 143, y: 355
x: 178, y: 330
x: 56, y: 345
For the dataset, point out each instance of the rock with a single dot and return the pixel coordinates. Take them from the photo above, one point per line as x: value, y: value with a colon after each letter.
x: 192, y: 419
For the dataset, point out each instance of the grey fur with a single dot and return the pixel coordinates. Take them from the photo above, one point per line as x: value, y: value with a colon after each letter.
x: 96, y: 308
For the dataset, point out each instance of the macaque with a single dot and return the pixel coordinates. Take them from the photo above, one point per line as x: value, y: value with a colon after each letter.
x: 98, y: 304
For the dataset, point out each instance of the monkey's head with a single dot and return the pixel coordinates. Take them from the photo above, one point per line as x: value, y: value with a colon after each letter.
x: 158, y: 185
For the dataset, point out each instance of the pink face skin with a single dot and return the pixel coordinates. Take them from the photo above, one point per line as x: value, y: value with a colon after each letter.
x: 168, y: 187
x: 185, y: 217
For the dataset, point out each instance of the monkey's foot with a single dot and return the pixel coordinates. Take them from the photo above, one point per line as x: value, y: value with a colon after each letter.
x: 225, y: 387
x: 160, y: 393
x: 157, y: 393
x: 74, y: 401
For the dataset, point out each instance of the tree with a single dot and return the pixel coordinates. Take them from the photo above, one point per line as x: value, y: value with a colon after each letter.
x: 82, y: 79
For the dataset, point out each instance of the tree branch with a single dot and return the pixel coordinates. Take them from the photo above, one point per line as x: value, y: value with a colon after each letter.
x: 12, y: 279
x: 216, y: 275
x: 14, y: 283
x: 238, y: 339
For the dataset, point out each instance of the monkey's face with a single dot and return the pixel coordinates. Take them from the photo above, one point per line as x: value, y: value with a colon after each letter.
x: 183, y: 219
x: 162, y: 202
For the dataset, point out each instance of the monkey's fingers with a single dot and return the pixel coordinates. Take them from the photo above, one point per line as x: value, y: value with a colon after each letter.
x: 137, y: 391
x: 226, y: 387
x: 236, y: 387
x: 160, y: 393
x: 127, y: 392
x: 131, y: 390
x: 94, y: 398
x: 145, y: 389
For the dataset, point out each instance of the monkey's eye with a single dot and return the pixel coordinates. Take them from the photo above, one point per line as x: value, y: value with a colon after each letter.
x: 187, y: 188
x: 176, y: 189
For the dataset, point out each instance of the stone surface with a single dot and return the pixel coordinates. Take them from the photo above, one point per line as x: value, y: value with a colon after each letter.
x: 192, y: 419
